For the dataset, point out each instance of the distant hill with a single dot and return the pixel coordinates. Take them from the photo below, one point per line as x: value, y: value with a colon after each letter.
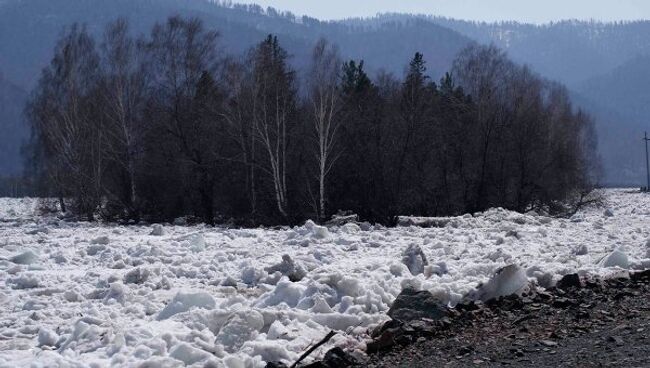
x: 625, y: 88
x: 619, y: 141
x: 603, y: 64
x: 621, y: 101
x: 29, y: 29
x: 568, y: 51
x: 12, y: 128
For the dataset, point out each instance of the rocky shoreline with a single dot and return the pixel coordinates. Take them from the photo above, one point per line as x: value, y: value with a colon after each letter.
x: 582, y: 321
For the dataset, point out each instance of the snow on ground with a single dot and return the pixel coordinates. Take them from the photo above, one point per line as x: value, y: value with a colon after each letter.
x: 79, y: 294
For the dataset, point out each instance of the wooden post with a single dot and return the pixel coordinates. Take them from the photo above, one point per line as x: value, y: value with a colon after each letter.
x: 647, y: 163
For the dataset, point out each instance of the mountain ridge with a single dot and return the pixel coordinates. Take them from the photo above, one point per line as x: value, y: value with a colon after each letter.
x: 571, y: 52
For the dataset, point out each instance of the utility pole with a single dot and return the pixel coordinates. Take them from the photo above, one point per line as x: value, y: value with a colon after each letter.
x: 647, y: 163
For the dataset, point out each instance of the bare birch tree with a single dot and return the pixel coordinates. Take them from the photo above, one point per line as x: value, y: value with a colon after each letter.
x: 123, y: 94
x: 325, y: 103
x: 273, y: 106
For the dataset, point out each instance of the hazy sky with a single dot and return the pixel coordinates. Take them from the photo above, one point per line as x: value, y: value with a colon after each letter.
x: 535, y: 11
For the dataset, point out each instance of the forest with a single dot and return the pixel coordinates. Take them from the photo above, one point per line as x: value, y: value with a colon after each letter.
x: 169, y: 125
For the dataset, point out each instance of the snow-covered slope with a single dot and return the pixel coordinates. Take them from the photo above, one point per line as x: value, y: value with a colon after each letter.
x: 78, y: 294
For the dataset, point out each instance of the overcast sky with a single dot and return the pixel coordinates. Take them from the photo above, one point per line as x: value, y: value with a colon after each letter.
x: 532, y: 11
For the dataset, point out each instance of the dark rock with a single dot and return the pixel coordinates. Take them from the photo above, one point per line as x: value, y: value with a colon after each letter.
x: 334, y: 358
x: 276, y: 365
x: 384, y: 342
x: 468, y: 306
x: 617, y: 340
x: 594, y: 284
x: 522, y: 319
x: 563, y: 303
x: 421, y: 327
x: 386, y: 326
x: 548, y: 343
x: 543, y: 296
x: 509, y: 302
x: 315, y: 365
x: 517, y: 352
x: 583, y: 315
x: 403, y: 340
x: 338, y: 357
x: 408, y: 329
x: 465, y: 350
x: 570, y: 281
x: 413, y: 305
x: 640, y: 276
x: 444, y: 322
x: 559, y: 292
x: 615, y: 283
x: 623, y: 294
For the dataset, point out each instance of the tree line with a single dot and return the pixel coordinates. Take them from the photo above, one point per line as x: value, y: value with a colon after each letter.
x: 159, y: 127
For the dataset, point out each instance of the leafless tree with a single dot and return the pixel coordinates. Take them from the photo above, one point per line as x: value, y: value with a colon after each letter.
x: 66, y: 122
x: 123, y: 90
x: 484, y: 72
x: 238, y: 116
x: 183, y: 57
x: 325, y: 103
x: 273, y: 107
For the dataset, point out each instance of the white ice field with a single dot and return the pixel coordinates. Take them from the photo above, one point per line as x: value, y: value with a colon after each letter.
x: 93, y: 295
